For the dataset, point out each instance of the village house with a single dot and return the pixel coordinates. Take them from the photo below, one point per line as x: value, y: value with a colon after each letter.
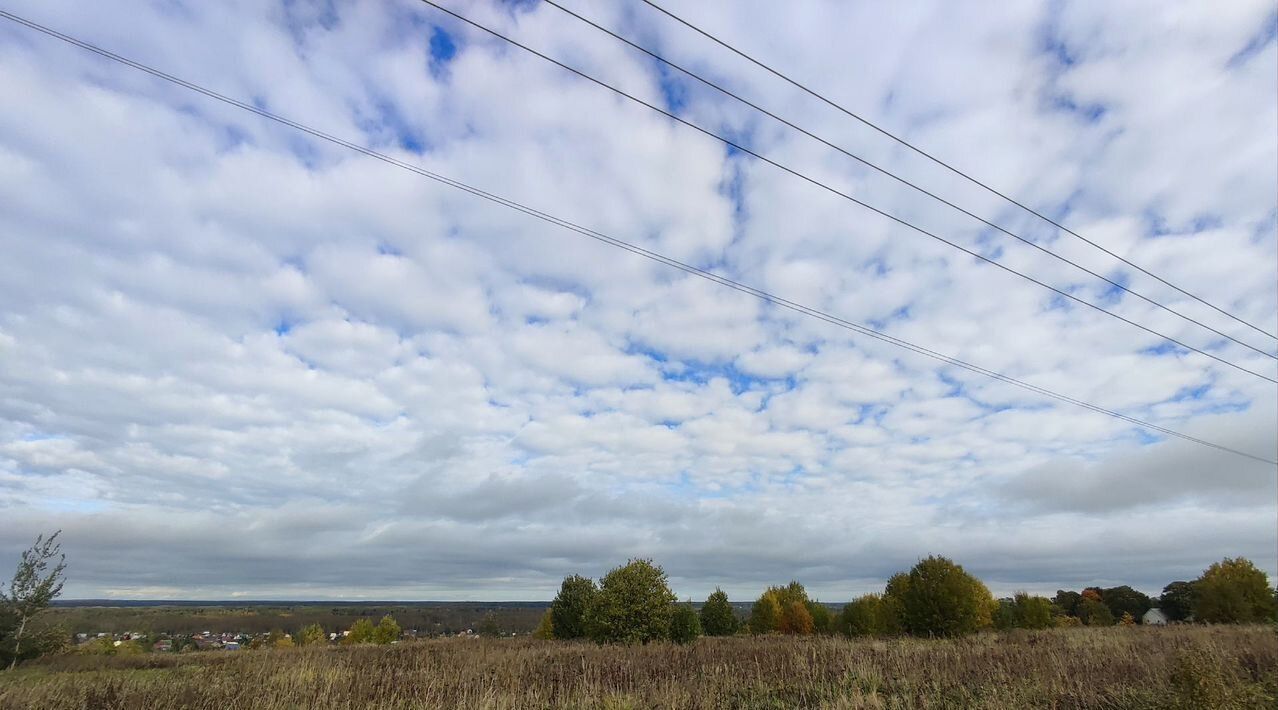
x: 1154, y: 617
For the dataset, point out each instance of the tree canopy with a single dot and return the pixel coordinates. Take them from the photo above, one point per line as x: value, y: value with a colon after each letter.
x: 569, y: 608
x: 939, y: 598
x: 685, y: 625
x: 717, y: 616
x: 634, y: 604
x: 1233, y: 591
x: 1177, y: 601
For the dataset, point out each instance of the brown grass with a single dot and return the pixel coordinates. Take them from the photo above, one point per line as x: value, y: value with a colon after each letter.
x: 1176, y: 667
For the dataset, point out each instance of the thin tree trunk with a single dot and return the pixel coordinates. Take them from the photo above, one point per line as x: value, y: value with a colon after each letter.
x: 17, y: 642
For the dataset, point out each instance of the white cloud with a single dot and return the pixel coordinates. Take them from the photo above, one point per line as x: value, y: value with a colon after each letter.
x: 234, y: 360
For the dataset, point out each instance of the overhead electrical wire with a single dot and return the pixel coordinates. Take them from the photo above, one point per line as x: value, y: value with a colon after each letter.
x: 627, y: 246
x: 840, y: 193
x: 947, y: 166
x: 726, y: 92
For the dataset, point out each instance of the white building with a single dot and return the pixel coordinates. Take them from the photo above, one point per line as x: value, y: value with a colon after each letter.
x: 1154, y: 617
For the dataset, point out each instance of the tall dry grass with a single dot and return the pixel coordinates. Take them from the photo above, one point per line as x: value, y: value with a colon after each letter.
x: 1175, y: 667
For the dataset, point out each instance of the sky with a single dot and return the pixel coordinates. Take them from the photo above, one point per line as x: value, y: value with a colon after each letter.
x: 239, y: 362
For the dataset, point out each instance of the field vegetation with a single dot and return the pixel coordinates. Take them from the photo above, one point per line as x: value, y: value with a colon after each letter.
x: 1180, y: 666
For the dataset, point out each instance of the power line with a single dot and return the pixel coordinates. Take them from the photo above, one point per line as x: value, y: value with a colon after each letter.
x: 840, y: 193
x: 903, y: 181
x: 949, y: 167
x: 627, y: 246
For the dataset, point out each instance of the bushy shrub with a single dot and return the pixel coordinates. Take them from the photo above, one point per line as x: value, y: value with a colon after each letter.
x: 867, y: 616
x: 546, y: 627
x: 310, y: 635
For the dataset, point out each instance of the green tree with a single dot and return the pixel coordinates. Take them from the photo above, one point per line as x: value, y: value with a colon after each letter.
x: 765, y: 614
x: 685, y: 625
x: 569, y: 608
x: 362, y: 631
x: 1067, y: 602
x: 633, y: 605
x: 1033, y: 612
x: 822, y: 619
x: 867, y: 615
x: 717, y: 616
x: 1093, y: 612
x: 941, y: 599
x: 310, y: 635
x: 545, y: 628
x: 386, y: 631
x: 35, y: 584
x: 1005, y: 616
x: 1125, y: 600
x: 1233, y: 591
x: 1177, y: 601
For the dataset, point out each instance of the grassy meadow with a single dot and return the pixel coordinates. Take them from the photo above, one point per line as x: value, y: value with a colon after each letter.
x: 1116, y: 667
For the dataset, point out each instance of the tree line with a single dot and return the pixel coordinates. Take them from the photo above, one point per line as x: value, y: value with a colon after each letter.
x: 936, y: 598
x: 633, y: 603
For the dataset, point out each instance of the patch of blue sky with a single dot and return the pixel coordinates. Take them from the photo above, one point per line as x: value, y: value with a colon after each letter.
x: 900, y: 315
x: 1086, y: 112
x: 1111, y: 295
x: 685, y: 486
x: 1265, y: 228
x: 990, y: 243
x: 443, y: 49
x: 876, y: 265
x: 1190, y: 393
x: 1146, y: 437
x: 956, y: 387
x: 1156, y: 225
x: 1051, y: 41
x: 520, y: 5
x: 1164, y: 348
x: 73, y: 505
x: 867, y: 413
x: 1264, y: 36
x: 1222, y: 408
x: 701, y: 373
x: 673, y: 85
x: 387, y: 122
x: 299, y: 15
x: 1058, y: 302
x: 653, y: 354
x: 42, y: 436
x: 283, y: 327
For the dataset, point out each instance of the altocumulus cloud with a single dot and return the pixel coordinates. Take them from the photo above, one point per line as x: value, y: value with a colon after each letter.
x: 235, y: 361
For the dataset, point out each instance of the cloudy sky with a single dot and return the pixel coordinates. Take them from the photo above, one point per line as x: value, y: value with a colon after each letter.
x: 236, y: 361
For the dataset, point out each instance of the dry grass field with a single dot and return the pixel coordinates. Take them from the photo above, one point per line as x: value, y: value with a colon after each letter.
x: 1118, y: 667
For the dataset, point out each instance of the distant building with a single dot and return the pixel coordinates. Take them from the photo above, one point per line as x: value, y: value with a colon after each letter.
x: 1154, y: 617
x: 231, y: 646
